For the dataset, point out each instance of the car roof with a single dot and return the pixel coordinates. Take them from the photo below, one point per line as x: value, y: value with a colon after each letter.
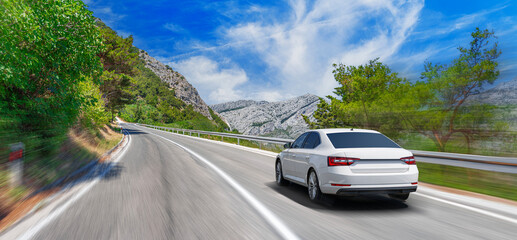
x: 344, y: 130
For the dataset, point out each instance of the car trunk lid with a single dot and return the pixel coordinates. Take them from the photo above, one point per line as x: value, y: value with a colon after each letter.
x: 378, y: 160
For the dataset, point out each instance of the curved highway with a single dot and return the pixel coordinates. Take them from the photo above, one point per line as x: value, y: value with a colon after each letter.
x: 170, y: 186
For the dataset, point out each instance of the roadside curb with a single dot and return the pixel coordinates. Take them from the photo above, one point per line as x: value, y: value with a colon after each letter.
x: 87, y: 169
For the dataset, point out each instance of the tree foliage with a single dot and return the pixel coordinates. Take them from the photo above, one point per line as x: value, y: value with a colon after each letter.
x: 364, y: 98
x: 93, y: 113
x: 47, y: 49
x: 372, y: 96
x: 119, y: 61
x: 444, y: 113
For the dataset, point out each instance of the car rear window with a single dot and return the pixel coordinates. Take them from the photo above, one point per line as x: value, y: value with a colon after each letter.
x: 361, y: 140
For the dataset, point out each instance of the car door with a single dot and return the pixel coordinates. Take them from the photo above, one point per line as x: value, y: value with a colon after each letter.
x: 291, y: 157
x: 303, y: 158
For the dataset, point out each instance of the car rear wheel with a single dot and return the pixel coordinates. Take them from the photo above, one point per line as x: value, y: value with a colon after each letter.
x: 280, y: 180
x: 399, y: 196
x: 313, y: 187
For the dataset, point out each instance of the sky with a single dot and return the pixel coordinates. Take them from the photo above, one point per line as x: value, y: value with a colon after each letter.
x: 275, y: 50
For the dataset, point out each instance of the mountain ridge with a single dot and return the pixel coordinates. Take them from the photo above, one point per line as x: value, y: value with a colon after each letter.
x: 182, y: 88
x: 276, y: 119
x: 503, y: 94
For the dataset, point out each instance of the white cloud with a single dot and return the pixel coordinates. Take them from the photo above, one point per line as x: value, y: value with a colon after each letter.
x: 173, y: 27
x: 107, y: 15
x: 211, y: 80
x: 441, y: 26
x: 299, y: 51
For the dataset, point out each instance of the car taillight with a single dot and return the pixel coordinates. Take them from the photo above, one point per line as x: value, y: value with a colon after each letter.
x: 409, y: 160
x: 341, y: 161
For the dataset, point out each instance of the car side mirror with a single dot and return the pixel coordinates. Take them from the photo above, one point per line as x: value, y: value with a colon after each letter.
x: 287, y: 145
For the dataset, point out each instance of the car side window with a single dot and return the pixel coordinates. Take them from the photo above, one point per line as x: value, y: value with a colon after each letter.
x: 313, y: 140
x: 299, y: 141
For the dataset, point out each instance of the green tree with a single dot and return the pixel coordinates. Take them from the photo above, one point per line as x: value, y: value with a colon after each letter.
x: 47, y: 48
x: 325, y: 116
x: 443, y: 112
x: 115, y: 91
x: 93, y: 113
x: 119, y: 61
x: 364, y: 98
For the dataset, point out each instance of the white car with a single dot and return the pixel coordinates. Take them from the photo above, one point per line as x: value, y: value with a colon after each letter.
x: 347, y: 162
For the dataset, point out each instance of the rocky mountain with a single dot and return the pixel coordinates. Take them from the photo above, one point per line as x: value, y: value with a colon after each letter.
x: 502, y: 94
x: 277, y: 119
x: 183, y: 89
x: 235, y: 105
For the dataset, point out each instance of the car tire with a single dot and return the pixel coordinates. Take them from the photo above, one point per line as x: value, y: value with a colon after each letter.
x: 280, y: 180
x: 313, y: 187
x: 399, y: 196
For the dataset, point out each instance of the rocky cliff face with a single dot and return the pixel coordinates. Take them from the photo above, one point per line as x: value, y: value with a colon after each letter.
x: 183, y: 89
x: 502, y: 94
x: 276, y: 119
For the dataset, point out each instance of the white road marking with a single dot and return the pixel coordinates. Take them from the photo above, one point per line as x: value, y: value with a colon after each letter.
x: 273, y: 220
x: 474, y: 209
x: 34, y: 230
x: 249, y: 149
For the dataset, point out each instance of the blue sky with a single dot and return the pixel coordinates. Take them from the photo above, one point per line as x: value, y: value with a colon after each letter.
x: 274, y: 50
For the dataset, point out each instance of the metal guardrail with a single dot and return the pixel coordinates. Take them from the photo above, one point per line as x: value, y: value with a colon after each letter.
x: 222, y: 135
x: 506, y: 161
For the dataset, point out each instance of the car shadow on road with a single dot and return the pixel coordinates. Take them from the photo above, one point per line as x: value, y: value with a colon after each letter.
x: 134, y: 131
x: 299, y: 195
x: 104, y: 171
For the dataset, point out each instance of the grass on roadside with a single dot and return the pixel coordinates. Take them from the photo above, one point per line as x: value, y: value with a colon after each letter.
x: 503, y: 185
x: 79, y: 148
x: 503, y: 146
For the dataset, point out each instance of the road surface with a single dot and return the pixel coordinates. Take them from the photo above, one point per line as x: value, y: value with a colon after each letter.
x: 216, y: 191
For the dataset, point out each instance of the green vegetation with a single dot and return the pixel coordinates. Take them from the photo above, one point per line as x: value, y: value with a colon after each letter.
x: 47, y: 53
x: 372, y: 96
x: 155, y: 103
x: 61, y: 68
x: 118, y: 61
x: 486, y: 182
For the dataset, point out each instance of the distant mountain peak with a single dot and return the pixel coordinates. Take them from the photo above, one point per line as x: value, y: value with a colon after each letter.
x: 278, y: 119
x: 503, y: 94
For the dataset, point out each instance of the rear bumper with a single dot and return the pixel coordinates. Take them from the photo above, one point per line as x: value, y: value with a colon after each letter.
x: 377, y: 190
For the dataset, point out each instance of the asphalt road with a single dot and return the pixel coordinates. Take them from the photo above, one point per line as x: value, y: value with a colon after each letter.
x: 162, y: 191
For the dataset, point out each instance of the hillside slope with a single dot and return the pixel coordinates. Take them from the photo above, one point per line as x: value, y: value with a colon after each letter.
x: 277, y: 119
x: 182, y: 88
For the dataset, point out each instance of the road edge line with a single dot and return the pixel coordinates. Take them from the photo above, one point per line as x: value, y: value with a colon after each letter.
x: 474, y: 209
x: 269, y: 216
x: 249, y: 149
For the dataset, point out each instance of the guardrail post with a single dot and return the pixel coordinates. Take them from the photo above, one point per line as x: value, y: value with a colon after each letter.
x: 197, y: 134
x: 190, y: 133
x: 260, y: 145
x: 238, y: 141
x: 16, y: 164
x: 222, y: 138
x: 183, y: 132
